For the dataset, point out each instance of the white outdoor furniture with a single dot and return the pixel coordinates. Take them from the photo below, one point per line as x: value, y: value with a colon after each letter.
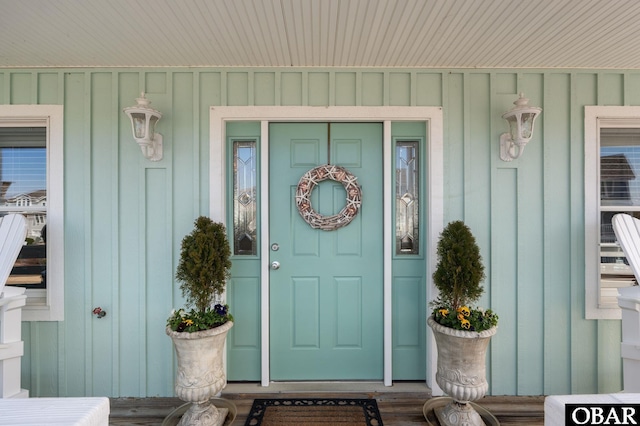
x: 13, y: 229
x: 554, y: 406
x: 55, y: 411
x: 627, y: 230
x: 15, y: 406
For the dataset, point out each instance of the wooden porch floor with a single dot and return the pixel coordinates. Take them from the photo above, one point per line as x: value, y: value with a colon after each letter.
x: 399, y: 405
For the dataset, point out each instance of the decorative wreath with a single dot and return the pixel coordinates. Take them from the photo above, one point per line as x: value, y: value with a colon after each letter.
x: 309, y: 181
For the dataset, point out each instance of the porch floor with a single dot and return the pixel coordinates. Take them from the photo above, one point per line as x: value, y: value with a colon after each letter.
x: 400, y: 404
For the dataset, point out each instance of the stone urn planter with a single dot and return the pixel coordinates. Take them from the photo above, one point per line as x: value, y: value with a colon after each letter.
x: 201, y: 374
x: 461, y: 372
x: 199, y: 334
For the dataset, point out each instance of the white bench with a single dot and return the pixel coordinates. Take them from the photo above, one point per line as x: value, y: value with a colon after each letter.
x: 627, y: 230
x: 554, y: 405
x: 15, y: 408
x: 92, y: 411
x: 13, y: 229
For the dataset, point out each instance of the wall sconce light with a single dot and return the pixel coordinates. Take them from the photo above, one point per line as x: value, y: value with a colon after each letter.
x: 143, y: 121
x: 521, y: 119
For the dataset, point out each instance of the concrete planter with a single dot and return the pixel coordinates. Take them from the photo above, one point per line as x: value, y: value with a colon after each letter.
x: 201, y: 374
x: 461, y: 372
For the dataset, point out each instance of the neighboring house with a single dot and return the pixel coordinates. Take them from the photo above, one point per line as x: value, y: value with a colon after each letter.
x: 35, y: 221
x: 30, y: 267
x: 423, y: 143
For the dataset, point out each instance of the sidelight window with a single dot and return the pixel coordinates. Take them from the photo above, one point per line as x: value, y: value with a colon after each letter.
x: 407, y: 197
x: 244, y: 198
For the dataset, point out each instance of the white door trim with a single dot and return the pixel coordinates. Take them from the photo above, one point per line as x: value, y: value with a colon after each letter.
x: 435, y: 215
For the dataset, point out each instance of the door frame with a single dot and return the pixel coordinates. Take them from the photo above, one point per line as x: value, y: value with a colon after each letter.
x: 219, y: 116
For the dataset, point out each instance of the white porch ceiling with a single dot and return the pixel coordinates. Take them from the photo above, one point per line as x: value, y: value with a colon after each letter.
x: 321, y: 33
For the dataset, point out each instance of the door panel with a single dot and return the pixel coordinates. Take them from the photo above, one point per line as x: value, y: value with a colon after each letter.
x: 326, y: 298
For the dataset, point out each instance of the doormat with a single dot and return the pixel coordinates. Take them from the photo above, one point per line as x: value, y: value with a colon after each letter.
x: 314, y: 411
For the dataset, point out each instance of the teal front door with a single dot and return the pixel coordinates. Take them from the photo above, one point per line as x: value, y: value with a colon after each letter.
x: 326, y: 287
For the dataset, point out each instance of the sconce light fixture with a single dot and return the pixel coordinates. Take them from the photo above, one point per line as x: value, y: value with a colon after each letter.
x: 143, y: 121
x: 521, y: 119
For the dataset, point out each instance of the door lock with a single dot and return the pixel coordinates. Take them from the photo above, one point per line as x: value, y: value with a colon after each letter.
x: 275, y: 265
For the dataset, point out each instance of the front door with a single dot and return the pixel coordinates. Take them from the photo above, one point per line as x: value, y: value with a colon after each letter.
x: 326, y: 295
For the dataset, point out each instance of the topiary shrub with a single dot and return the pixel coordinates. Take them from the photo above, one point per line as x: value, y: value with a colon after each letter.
x: 203, y: 271
x: 458, y: 277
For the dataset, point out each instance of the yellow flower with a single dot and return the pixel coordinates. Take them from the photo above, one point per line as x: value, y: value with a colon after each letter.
x: 465, y: 323
x: 444, y: 312
x: 188, y: 322
x: 461, y: 317
x: 464, y: 310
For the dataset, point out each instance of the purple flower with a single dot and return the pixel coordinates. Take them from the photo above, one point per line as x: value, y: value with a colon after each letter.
x: 220, y: 309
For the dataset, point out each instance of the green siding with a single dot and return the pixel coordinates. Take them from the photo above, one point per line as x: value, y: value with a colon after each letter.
x: 557, y: 221
x: 318, y: 88
x: 125, y: 216
x: 584, y: 356
x: 77, y: 327
x: 291, y: 84
x: 345, y: 88
x: 101, y: 241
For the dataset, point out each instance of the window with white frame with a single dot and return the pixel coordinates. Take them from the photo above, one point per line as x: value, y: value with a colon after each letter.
x: 31, y: 170
x: 612, y: 185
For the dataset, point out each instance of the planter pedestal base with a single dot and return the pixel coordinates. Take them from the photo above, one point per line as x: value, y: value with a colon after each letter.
x: 226, y: 408
x: 458, y: 414
x: 204, y: 413
x: 434, y: 404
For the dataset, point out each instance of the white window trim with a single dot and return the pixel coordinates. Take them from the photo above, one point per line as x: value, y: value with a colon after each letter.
x: 50, y: 116
x: 435, y: 196
x: 594, y: 116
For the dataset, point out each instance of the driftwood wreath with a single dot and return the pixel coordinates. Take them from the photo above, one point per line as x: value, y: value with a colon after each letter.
x: 309, y: 181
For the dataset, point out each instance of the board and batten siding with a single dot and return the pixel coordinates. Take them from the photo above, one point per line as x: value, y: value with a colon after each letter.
x: 125, y: 216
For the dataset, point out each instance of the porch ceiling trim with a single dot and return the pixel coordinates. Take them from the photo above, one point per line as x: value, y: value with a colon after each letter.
x: 321, y: 33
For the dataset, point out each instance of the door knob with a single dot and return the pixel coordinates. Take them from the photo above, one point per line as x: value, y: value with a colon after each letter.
x: 275, y: 265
